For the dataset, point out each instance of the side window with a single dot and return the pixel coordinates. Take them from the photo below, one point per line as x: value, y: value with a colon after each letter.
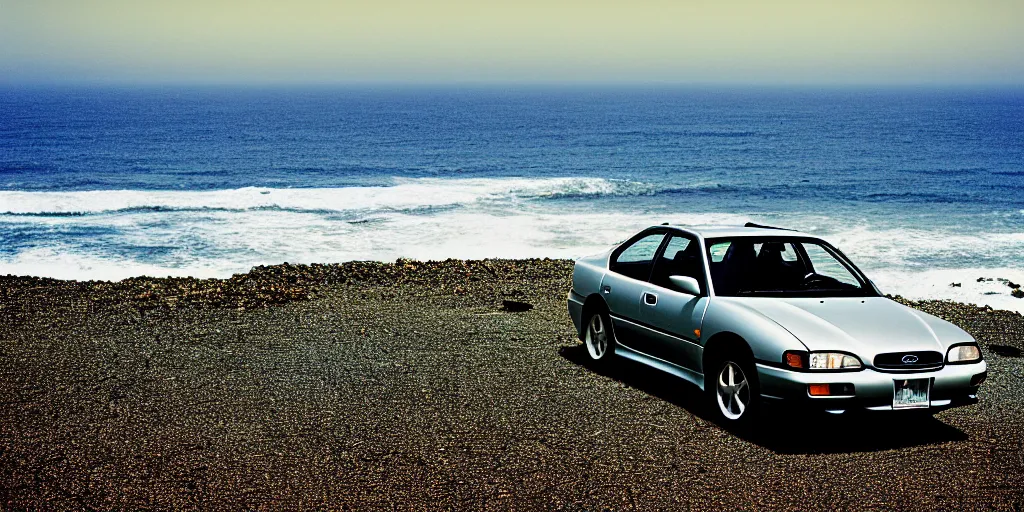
x: 826, y: 265
x: 717, y: 251
x: 635, y: 261
x: 788, y: 253
x: 675, y: 245
x: 681, y: 258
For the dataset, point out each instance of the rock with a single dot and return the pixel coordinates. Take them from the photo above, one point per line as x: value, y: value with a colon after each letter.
x: 516, y: 306
x: 1012, y: 284
x: 1017, y: 292
x: 954, y: 285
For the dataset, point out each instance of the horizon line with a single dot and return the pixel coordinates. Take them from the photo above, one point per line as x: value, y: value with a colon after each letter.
x: 511, y: 83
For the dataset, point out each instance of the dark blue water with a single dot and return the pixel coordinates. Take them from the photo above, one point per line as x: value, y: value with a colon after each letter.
x: 875, y: 145
x: 934, y: 167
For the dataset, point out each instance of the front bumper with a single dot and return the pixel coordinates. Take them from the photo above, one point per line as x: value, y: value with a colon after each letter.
x: 873, y: 389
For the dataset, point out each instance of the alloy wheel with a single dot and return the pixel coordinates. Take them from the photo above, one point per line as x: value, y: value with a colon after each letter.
x: 733, y: 391
x: 597, y: 337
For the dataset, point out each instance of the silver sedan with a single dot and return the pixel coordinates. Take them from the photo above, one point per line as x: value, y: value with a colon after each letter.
x: 756, y: 315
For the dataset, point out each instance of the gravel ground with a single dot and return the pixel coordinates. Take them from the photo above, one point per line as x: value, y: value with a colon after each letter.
x: 409, y: 386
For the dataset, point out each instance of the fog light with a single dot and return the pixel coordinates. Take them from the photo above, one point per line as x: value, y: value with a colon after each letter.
x: 844, y: 389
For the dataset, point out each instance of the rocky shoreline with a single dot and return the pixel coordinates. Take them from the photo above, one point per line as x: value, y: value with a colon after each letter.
x: 279, y: 284
x: 431, y: 385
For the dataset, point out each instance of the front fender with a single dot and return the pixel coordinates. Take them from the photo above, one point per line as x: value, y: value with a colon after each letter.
x: 766, y: 338
x: 945, y: 332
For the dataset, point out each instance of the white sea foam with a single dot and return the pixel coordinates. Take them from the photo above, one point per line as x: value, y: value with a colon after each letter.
x: 938, y: 284
x: 937, y: 264
x: 59, y: 263
x: 403, y: 195
x: 117, y: 234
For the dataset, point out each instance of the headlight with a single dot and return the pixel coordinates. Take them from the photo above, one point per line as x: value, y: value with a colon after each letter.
x: 967, y: 353
x: 832, y: 361
x: 821, y: 360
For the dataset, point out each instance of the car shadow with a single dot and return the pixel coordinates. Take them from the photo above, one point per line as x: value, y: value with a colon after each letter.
x: 782, y: 430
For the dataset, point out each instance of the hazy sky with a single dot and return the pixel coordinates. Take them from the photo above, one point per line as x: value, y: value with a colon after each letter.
x: 769, y: 41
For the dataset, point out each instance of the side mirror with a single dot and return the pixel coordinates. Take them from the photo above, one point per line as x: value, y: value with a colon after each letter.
x: 685, y: 284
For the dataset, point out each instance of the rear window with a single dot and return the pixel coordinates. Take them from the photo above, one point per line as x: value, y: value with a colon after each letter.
x: 717, y: 251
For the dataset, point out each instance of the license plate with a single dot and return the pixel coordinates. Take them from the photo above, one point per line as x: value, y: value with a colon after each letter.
x: 910, y: 393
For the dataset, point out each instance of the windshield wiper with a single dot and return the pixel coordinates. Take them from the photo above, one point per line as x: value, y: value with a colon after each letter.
x: 755, y: 292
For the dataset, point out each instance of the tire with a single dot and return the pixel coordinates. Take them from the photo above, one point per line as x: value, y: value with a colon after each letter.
x: 733, y: 389
x: 599, y: 338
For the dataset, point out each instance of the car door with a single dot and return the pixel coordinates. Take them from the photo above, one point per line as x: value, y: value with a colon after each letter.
x: 673, y: 317
x: 629, y: 268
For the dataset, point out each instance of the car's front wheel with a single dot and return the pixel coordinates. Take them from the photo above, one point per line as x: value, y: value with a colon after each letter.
x: 734, y: 391
x: 599, y: 339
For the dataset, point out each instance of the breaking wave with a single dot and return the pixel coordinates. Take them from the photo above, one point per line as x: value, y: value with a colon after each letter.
x: 114, y: 234
x: 408, y: 194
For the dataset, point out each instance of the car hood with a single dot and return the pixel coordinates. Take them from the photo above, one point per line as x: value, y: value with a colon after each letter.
x: 865, y: 326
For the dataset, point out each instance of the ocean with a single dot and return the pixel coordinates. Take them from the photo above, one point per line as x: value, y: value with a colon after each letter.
x: 921, y: 187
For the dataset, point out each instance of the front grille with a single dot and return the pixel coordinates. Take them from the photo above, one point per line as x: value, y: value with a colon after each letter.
x: 906, y: 360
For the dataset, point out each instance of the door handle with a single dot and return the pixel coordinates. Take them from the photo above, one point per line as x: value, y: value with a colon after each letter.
x: 606, y: 289
x: 650, y: 299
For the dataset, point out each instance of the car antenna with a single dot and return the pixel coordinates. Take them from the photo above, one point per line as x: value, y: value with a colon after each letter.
x: 752, y: 225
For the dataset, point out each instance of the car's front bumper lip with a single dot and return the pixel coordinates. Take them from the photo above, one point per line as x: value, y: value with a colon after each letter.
x: 873, y: 389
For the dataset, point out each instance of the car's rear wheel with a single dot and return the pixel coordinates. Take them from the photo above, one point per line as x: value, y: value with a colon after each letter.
x: 733, y: 390
x: 599, y: 339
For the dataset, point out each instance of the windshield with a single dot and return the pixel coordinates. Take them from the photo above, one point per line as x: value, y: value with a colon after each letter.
x: 782, y: 267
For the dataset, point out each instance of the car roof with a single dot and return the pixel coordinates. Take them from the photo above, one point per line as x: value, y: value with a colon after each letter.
x: 736, y: 231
